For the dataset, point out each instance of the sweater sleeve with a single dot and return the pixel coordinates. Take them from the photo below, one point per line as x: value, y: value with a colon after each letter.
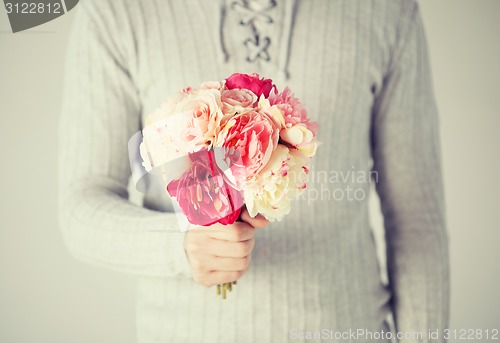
x: 406, y: 155
x: 100, y: 112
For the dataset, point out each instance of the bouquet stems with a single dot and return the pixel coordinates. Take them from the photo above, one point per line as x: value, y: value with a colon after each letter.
x: 224, y: 288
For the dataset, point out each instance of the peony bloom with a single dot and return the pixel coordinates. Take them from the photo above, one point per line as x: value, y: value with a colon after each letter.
x: 283, y: 178
x: 252, y: 82
x: 251, y: 137
x: 293, y: 110
x: 203, y: 194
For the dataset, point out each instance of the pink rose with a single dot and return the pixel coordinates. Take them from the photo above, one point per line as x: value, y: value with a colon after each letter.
x: 293, y: 110
x: 203, y: 194
x: 237, y: 101
x: 252, y: 82
x: 252, y: 137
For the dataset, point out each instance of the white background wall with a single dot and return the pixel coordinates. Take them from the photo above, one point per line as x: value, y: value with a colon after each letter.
x: 46, y: 296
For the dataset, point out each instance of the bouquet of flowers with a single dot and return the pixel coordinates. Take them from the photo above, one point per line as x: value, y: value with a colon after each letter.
x: 227, y: 144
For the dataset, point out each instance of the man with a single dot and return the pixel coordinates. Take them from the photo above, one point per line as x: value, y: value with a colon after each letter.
x: 361, y: 68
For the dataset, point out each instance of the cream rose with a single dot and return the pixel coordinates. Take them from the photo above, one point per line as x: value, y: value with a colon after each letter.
x: 195, y: 119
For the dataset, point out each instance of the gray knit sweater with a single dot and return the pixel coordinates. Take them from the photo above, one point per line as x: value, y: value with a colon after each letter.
x: 361, y: 68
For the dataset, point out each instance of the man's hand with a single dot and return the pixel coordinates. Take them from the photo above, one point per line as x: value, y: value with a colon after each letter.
x: 220, y: 254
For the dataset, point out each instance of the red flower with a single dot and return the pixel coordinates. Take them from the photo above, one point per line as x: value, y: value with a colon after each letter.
x: 252, y: 82
x: 203, y: 194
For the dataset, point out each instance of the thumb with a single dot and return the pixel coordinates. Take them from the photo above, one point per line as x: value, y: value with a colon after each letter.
x: 258, y: 222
